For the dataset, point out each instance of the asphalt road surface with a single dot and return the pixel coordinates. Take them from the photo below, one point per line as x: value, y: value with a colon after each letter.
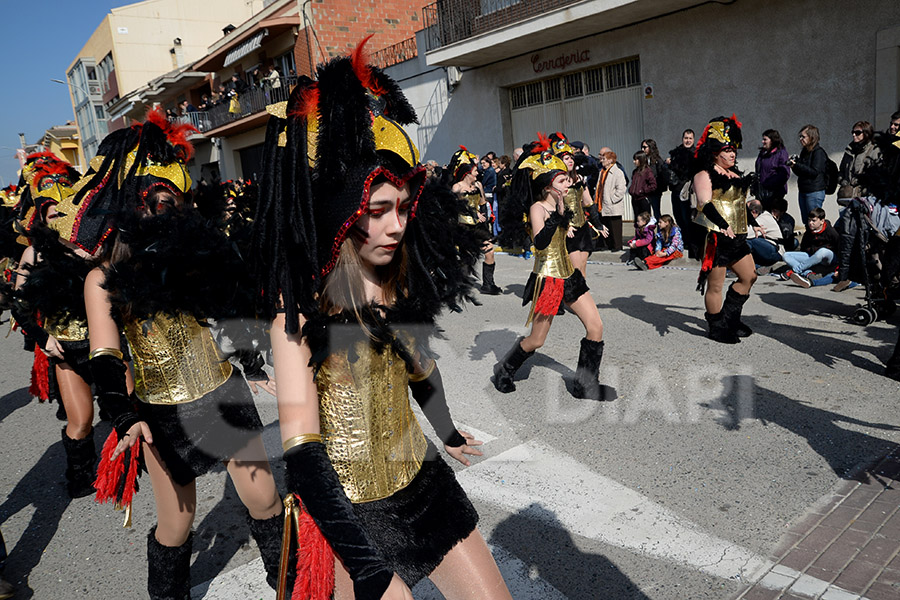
x: 679, y: 489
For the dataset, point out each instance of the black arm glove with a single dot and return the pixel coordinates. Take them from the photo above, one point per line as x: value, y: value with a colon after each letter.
x: 713, y: 215
x: 594, y: 217
x: 543, y: 237
x: 252, y: 365
x: 28, y: 325
x: 751, y: 220
x: 311, y: 475
x: 429, y: 394
x: 112, y: 395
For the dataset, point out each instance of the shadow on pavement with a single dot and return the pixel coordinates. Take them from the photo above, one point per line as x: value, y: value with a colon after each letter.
x: 13, y: 401
x: 41, y: 489
x: 663, y: 317
x: 536, y: 537
x: 844, y: 449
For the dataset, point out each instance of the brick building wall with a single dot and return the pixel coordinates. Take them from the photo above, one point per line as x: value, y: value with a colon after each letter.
x: 341, y: 24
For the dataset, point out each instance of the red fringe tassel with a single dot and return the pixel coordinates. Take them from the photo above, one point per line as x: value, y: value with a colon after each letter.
x: 40, y: 377
x: 551, y: 296
x: 116, y: 481
x: 709, y: 258
x: 315, y: 562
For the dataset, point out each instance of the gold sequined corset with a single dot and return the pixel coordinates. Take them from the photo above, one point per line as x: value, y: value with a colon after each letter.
x: 371, y: 434
x: 473, y: 202
x: 573, y: 203
x: 732, y: 205
x: 176, y: 359
x: 67, y: 330
x: 553, y: 261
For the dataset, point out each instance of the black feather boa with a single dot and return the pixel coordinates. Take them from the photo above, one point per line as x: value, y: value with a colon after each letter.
x: 180, y: 262
x: 55, y: 283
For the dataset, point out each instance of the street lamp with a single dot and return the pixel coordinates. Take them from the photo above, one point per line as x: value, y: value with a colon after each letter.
x: 74, y: 85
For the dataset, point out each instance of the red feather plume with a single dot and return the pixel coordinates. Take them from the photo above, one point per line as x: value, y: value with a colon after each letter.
x: 542, y: 143
x: 308, y: 103
x: 359, y: 60
x: 177, y: 134
x: 47, y: 168
x: 39, y: 155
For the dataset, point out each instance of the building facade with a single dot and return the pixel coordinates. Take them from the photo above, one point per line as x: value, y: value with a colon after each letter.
x: 612, y: 72
x: 136, y: 43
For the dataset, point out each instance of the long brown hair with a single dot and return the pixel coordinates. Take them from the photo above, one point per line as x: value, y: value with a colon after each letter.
x: 667, y: 231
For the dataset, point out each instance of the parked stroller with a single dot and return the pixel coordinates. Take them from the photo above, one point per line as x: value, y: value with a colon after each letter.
x: 867, y: 228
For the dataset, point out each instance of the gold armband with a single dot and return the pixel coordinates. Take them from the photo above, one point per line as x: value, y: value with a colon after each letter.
x: 105, y: 352
x: 303, y: 438
x: 414, y: 377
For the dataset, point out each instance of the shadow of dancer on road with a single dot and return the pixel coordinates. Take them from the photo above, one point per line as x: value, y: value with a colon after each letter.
x: 847, y: 452
x: 535, y: 536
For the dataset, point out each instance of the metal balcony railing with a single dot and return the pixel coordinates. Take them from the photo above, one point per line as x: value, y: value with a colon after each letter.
x: 235, y: 107
x: 395, y: 54
x: 449, y: 21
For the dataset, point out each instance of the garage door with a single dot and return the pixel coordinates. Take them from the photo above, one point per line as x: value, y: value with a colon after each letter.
x: 600, y: 106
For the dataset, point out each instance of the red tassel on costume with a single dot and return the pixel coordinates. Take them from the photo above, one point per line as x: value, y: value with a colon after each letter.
x: 40, y: 377
x: 117, y: 479
x: 315, y: 562
x: 708, y: 259
x: 551, y: 296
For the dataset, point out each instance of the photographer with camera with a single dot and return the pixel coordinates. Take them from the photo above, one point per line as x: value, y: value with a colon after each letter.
x: 810, y: 167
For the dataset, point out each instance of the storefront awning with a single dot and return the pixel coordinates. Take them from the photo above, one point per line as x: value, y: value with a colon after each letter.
x: 245, y: 48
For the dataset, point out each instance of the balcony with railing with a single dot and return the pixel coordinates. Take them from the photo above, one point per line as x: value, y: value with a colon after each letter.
x: 395, y: 54
x: 470, y: 33
x: 236, y: 109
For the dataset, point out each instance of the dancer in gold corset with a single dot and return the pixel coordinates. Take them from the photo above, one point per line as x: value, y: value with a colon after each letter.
x: 722, y: 209
x: 540, y: 186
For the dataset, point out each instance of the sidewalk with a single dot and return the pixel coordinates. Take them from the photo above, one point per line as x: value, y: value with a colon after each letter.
x: 847, y: 549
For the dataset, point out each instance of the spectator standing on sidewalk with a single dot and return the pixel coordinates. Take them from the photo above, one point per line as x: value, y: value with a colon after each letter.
x: 810, y: 167
x: 660, y: 174
x: 610, y: 196
x: 817, y: 247
x: 860, y: 155
x: 643, y: 184
x: 772, y: 169
x: 489, y: 183
x: 764, y: 238
x: 679, y: 165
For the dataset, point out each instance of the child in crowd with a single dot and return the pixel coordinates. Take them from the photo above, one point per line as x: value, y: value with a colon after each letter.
x: 667, y: 245
x: 817, y: 249
x: 642, y: 241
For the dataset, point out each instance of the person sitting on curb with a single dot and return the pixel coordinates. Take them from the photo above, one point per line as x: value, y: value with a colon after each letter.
x: 817, y: 247
x: 641, y: 243
x: 668, y: 245
x: 765, y: 238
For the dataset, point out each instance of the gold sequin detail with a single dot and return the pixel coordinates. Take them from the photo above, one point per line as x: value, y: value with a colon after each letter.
x: 553, y: 261
x: 174, y: 172
x: 175, y: 359
x: 732, y: 205
x: 389, y: 135
x: 67, y: 329
x: 473, y: 201
x: 573, y: 203
x: 371, y: 434
x: 279, y: 109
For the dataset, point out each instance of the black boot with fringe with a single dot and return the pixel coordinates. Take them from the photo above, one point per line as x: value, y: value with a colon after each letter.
x: 732, y: 308
x: 587, y: 382
x: 719, y: 330
x: 168, y: 569
x: 505, y: 370
x: 81, y: 459
x: 268, y: 534
x: 487, y: 280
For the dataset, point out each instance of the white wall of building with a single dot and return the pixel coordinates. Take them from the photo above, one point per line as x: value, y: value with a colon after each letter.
x: 773, y: 63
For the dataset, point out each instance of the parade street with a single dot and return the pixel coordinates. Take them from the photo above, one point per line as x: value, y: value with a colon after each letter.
x: 684, y: 487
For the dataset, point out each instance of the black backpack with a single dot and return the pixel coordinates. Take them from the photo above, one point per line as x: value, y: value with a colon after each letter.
x: 832, y: 175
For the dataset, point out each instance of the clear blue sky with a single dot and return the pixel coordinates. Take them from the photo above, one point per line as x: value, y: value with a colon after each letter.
x: 38, y: 42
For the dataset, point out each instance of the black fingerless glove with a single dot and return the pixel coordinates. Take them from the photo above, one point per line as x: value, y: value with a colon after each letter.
x: 429, y: 394
x: 28, y: 325
x: 252, y: 365
x: 713, y: 215
x: 112, y: 395
x: 551, y: 223
x: 594, y: 217
x: 311, y: 476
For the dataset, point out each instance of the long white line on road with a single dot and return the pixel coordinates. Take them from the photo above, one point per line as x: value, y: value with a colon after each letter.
x: 537, y: 481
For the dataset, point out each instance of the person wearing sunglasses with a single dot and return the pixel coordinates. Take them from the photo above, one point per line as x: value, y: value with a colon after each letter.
x: 860, y: 155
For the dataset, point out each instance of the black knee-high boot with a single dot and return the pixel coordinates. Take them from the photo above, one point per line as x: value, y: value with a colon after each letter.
x: 268, y: 536
x: 732, y: 308
x: 81, y: 458
x: 506, y: 368
x: 719, y: 330
x: 168, y: 569
x: 587, y: 381
x: 487, y: 280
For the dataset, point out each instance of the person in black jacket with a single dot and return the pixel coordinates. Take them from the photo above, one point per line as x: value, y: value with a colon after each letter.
x: 810, y: 168
x: 817, y: 247
x: 679, y: 163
